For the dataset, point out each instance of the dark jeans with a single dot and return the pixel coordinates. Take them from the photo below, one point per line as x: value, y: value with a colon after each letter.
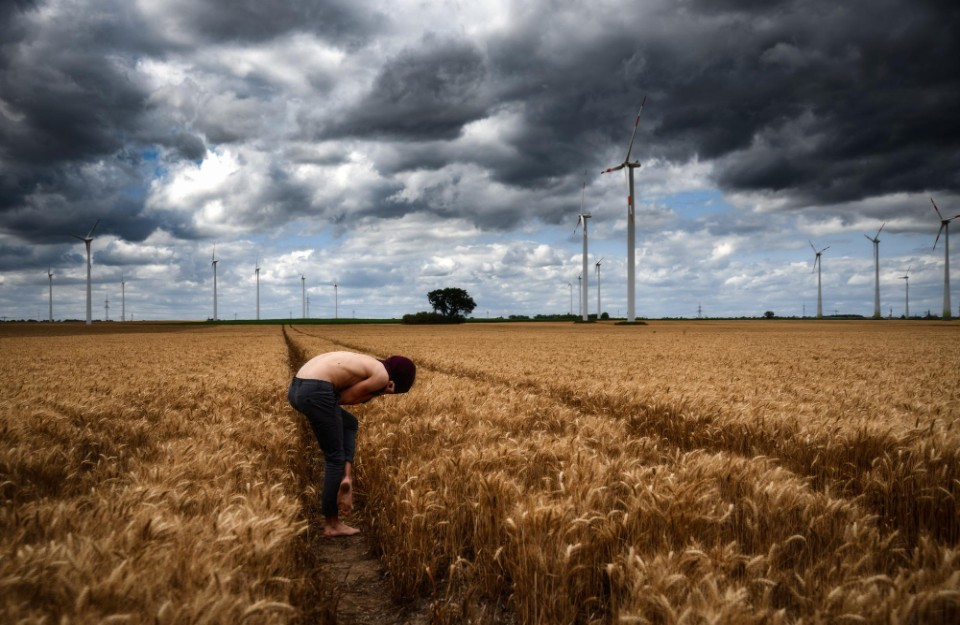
x: 334, y: 427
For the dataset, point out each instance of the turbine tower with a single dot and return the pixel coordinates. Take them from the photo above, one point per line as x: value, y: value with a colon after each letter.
x: 584, y: 289
x: 570, y: 284
x: 906, y: 282
x: 86, y: 240
x: 598, y: 289
x: 214, y: 261
x: 123, y: 298
x: 336, y: 302
x: 631, y: 237
x: 817, y: 266
x: 50, y: 278
x: 303, y: 296
x: 945, y: 229
x: 876, y: 270
x: 257, y: 271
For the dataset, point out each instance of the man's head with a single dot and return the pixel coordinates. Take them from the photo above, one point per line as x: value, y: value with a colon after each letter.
x: 402, y: 372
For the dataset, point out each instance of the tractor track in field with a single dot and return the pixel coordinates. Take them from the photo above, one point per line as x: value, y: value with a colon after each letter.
x: 346, y: 582
x: 851, y: 478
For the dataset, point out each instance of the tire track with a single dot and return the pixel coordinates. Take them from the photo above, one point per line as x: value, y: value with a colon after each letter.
x: 347, y: 585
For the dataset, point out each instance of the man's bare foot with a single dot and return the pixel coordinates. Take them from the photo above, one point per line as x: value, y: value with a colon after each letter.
x: 338, y: 528
x: 345, y: 496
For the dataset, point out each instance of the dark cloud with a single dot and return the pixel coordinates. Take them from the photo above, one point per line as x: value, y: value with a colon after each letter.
x: 426, y: 93
x: 344, y: 22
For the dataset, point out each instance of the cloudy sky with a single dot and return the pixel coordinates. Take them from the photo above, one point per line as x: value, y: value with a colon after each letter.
x: 398, y: 147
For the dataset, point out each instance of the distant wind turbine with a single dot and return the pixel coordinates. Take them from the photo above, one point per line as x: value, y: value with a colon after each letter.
x: 631, y: 236
x: 106, y: 308
x: 598, y: 288
x: 214, y: 261
x: 945, y: 229
x: 257, y: 271
x: 86, y: 240
x: 570, y: 284
x: 303, y: 296
x: 580, y: 293
x: 817, y: 266
x: 336, y: 302
x: 123, y: 298
x: 876, y: 270
x: 584, y: 288
x: 906, y: 278
x: 50, y: 278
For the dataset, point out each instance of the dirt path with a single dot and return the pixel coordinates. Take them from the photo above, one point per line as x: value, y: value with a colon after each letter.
x: 347, y: 584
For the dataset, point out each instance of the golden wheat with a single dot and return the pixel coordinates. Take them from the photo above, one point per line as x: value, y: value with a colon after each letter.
x: 690, y: 474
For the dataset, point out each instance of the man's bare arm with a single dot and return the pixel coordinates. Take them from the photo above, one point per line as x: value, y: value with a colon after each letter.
x: 365, y: 390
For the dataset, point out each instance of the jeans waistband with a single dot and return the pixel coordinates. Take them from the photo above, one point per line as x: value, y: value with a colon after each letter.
x: 310, y: 382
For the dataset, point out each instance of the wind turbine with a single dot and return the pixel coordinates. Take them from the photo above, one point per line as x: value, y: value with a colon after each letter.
x: 598, y: 289
x: 817, y: 266
x: 580, y: 293
x: 257, y: 271
x: 303, y: 296
x: 876, y: 269
x: 86, y: 240
x: 570, y: 284
x: 906, y: 278
x: 50, y: 278
x: 123, y: 298
x: 584, y: 288
x: 214, y: 261
x: 631, y: 237
x: 945, y: 229
x: 336, y: 302
x: 106, y: 308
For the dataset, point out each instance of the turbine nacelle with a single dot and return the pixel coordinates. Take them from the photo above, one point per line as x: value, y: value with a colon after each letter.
x: 817, y: 254
x: 876, y: 237
x: 944, y: 223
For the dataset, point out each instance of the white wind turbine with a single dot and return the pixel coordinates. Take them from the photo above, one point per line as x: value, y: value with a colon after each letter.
x: 631, y: 237
x: 336, y: 301
x: 876, y: 269
x: 214, y: 261
x: 123, y: 298
x: 257, y: 271
x: 945, y: 229
x: 584, y: 288
x: 580, y: 294
x: 86, y: 240
x: 598, y: 288
x: 817, y: 266
x: 303, y: 296
x: 906, y: 278
x: 50, y: 278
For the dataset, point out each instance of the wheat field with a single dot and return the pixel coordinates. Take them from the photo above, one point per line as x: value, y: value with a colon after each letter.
x: 679, y: 472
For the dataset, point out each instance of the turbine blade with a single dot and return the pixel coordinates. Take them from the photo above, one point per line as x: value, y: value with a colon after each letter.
x: 813, y: 247
x: 936, y: 209
x: 90, y: 234
x: 77, y: 236
x: 939, y: 232
x: 868, y: 238
x: 634, y: 135
x: 612, y: 169
x: 881, y: 228
x: 824, y: 249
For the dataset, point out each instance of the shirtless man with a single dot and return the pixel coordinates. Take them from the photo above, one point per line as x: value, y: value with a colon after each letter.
x: 318, y: 390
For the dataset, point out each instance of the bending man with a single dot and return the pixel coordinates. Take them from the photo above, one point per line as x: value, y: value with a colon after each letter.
x: 318, y: 390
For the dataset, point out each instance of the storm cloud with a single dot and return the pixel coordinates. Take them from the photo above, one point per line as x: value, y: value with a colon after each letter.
x: 203, y: 120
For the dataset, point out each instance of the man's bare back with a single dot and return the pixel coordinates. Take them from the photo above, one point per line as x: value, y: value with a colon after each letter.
x: 357, y: 377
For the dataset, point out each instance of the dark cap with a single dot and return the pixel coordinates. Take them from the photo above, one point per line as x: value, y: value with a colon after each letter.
x: 402, y: 372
